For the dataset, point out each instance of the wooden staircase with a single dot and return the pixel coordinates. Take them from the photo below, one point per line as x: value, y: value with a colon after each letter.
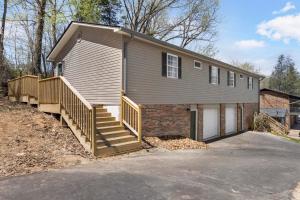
x: 111, y: 137
x: 95, y: 128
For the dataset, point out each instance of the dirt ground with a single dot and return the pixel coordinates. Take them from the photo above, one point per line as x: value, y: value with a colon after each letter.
x: 31, y: 141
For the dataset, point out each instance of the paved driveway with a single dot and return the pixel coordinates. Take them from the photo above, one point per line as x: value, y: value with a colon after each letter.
x: 247, y: 166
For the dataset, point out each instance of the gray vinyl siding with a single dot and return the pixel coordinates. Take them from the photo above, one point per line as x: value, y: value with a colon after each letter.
x: 93, y: 65
x: 146, y: 85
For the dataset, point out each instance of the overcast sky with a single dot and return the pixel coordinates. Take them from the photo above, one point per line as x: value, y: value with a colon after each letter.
x: 258, y: 31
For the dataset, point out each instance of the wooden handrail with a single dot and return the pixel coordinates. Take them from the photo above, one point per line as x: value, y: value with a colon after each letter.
x: 273, y: 124
x: 79, y: 110
x: 86, y: 103
x: 57, y: 90
x: 131, y: 116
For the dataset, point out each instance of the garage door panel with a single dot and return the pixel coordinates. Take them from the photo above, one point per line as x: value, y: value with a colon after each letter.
x: 211, y: 122
x: 230, y: 119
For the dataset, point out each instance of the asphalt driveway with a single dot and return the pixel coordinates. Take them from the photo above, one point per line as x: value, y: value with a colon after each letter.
x: 247, y: 166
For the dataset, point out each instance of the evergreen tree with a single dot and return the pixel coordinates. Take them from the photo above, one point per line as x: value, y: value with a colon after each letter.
x: 86, y: 10
x: 285, y: 77
x: 109, y: 10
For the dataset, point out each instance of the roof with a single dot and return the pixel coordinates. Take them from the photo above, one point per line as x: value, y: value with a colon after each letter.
x: 280, y: 93
x: 72, y: 27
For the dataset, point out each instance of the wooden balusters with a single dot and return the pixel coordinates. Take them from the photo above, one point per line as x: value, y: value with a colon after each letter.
x: 131, y: 116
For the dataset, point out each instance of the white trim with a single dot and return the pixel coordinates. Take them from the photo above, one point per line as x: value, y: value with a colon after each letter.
x: 250, y: 78
x: 233, y: 83
x: 172, y: 55
x: 217, y: 81
x: 201, y: 64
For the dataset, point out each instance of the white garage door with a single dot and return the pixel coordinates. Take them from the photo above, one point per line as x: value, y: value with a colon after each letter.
x: 230, y: 119
x: 211, y: 121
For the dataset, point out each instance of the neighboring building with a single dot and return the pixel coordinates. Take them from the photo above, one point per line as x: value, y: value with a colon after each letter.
x: 181, y: 92
x: 281, y: 106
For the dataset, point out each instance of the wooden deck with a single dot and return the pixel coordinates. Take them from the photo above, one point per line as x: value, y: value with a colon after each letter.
x: 93, y: 125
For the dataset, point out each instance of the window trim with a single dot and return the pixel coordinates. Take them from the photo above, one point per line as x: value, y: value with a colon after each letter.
x: 250, y: 86
x: 217, y: 79
x: 177, y: 67
x: 233, y: 83
x: 201, y: 67
x: 62, y: 68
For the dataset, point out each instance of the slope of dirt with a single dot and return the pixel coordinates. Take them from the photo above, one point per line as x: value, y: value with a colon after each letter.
x: 32, y: 141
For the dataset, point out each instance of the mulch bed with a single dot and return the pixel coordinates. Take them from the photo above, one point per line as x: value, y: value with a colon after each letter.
x: 172, y: 143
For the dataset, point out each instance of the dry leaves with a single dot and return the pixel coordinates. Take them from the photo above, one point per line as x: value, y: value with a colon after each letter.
x: 32, y: 141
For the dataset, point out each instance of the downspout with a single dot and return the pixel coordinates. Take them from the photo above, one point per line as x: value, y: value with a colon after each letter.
x: 125, y: 63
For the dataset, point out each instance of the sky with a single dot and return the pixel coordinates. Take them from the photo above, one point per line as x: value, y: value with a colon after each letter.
x: 258, y: 31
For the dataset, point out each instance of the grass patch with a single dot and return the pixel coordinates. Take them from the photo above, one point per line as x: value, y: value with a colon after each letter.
x: 286, y: 137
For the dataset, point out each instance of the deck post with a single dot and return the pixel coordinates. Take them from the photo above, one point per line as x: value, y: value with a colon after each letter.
x: 140, y: 124
x: 94, y: 131
x: 121, y: 108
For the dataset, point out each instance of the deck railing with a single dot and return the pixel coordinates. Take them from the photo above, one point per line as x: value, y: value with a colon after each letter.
x: 81, y: 111
x: 23, y: 86
x: 57, y: 90
x: 49, y: 90
x: 131, y: 116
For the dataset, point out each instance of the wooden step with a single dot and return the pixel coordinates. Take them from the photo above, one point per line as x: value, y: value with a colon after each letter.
x: 119, y: 148
x: 102, y: 119
x: 112, y: 134
x: 115, y: 140
x: 103, y: 114
x: 107, y: 123
x: 110, y: 128
x: 100, y: 110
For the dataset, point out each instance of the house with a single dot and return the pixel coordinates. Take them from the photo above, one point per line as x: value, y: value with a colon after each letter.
x: 283, y: 107
x: 181, y: 92
x: 121, y: 81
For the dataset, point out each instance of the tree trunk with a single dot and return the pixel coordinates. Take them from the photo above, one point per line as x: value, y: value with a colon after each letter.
x: 2, y: 61
x: 36, y: 68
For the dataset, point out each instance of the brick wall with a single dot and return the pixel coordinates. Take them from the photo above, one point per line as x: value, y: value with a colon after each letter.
x: 200, y: 122
x: 249, y: 110
x: 170, y: 119
x: 270, y: 99
x: 222, y: 119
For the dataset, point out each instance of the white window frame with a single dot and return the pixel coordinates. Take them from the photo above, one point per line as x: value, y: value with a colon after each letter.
x: 176, y: 67
x: 231, y: 78
x: 250, y: 80
x: 217, y: 75
x: 197, y: 61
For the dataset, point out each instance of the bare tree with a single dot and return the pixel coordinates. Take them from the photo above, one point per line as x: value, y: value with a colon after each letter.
x: 177, y: 21
x: 40, y: 20
x: 2, y: 64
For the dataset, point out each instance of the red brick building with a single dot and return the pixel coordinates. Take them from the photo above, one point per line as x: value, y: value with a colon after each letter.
x: 279, y: 105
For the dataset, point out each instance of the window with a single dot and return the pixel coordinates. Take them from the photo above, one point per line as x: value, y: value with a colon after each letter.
x: 241, y: 76
x: 172, y: 66
x: 60, y: 69
x: 197, y: 64
x: 250, y: 83
x: 214, y: 75
x: 231, y: 79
